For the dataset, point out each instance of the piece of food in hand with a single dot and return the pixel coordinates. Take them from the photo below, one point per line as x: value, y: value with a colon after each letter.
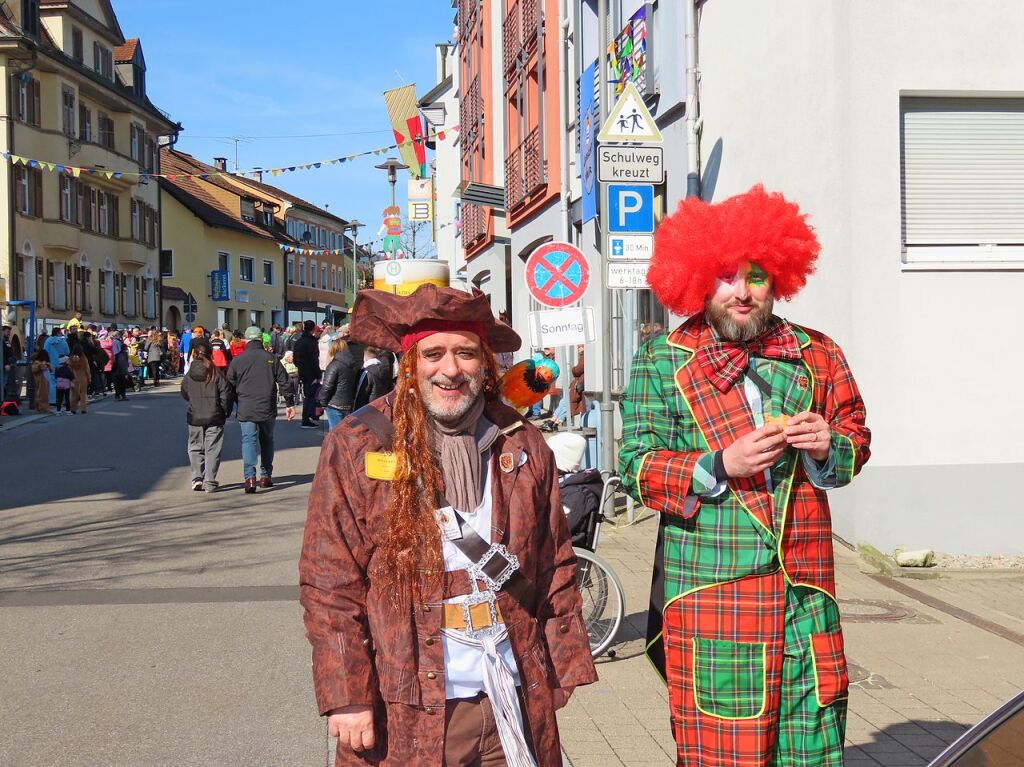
x: 782, y: 421
x: 528, y: 382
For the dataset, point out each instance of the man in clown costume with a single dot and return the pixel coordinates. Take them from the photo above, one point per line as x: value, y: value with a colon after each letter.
x: 734, y: 427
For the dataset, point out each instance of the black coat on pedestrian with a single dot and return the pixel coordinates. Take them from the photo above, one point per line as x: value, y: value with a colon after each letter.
x: 254, y: 375
x: 306, y: 356
x: 374, y: 381
x: 209, y: 402
x: 338, y: 387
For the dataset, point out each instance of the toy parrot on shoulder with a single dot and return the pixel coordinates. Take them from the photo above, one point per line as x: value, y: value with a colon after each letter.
x: 526, y: 383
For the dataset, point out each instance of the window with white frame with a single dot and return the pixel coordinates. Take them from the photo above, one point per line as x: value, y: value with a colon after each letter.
x: 67, y: 200
x: 312, y: 274
x: 245, y: 269
x: 334, y: 278
x: 268, y: 272
x: 291, y: 270
x: 84, y: 122
x: 962, y: 180
x: 302, y: 271
x: 323, y: 276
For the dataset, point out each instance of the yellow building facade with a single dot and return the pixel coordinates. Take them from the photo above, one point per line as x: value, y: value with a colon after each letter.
x: 75, y: 240
x: 319, y: 270
x: 213, y: 226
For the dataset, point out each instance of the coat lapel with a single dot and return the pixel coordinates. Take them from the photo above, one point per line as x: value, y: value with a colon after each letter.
x: 722, y: 418
x: 507, y: 448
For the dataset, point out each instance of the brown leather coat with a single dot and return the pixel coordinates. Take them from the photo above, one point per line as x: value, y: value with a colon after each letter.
x: 367, y: 652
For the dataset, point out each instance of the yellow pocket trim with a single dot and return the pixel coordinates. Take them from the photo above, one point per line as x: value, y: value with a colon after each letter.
x: 764, y: 683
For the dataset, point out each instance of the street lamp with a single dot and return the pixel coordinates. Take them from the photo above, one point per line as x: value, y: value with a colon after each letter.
x: 392, y: 166
x: 354, y: 226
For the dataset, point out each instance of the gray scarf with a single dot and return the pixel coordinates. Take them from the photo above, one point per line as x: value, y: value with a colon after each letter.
x: 458, y: 447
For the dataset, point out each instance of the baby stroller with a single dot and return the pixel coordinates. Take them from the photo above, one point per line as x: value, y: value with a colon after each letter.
x: 584, y: 497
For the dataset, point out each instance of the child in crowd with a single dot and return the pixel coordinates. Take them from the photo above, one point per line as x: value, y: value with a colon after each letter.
x: 64, y: 377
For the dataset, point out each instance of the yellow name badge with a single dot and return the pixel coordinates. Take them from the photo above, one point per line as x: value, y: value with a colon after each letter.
x: 381, y: 465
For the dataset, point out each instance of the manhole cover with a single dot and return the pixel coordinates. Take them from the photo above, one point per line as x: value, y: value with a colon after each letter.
x: 90, y: 469
x: 879, y: 611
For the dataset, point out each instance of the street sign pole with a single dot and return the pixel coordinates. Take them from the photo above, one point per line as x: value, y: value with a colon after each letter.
x: 607, y: 406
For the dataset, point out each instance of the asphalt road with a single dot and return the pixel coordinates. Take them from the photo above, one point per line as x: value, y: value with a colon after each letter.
x: 143, y: 623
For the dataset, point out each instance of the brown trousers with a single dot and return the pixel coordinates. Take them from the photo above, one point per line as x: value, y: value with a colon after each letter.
x: 471, y: 735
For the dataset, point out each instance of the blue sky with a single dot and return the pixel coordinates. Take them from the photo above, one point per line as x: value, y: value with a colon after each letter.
x: 257, y: 69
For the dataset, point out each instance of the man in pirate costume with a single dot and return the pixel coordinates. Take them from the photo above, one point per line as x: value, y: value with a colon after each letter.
x: 437, y: 573
x: 734, y: 426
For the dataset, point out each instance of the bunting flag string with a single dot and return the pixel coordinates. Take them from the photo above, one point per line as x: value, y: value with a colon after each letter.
x: 78, y: 171
x: 298, y: 250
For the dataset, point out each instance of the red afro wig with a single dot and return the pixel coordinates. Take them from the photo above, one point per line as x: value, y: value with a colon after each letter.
x: 701, y: 242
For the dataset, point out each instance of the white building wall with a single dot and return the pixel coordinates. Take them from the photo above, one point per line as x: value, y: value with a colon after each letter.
x: 444, y: 116
x: 803, y: 95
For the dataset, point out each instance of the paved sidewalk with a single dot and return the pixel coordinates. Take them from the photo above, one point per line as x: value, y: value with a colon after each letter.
x: 920, y: 676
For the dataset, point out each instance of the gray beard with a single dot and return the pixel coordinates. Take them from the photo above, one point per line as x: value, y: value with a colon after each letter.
x: 728, y: 330
x: 451, y: 414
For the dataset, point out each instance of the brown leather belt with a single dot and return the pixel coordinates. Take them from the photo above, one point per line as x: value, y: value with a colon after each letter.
x: 454, y: 617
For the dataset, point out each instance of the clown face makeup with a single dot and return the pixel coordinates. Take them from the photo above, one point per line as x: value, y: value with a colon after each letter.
x: 741, y: 306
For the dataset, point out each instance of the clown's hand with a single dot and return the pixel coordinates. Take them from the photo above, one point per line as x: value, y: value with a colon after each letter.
x: 754, y: 452
x: 809, y: 431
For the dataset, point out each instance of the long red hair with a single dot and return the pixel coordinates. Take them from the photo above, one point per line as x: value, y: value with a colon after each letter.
x: 409, y: 552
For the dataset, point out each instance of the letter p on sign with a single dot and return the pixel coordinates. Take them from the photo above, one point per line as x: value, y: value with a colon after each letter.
x: 630, y: 208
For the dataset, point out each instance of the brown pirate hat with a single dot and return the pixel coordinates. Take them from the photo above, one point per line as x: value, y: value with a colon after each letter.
x: 395, y: 323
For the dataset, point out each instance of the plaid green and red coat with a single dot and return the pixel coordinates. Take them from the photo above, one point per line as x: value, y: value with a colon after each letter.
x: 673, y: 414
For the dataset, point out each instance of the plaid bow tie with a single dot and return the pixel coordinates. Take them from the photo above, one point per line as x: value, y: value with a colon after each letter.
x: 723, y: 362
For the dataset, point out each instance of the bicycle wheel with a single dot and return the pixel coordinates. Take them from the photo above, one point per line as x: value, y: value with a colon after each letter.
x: 604, y: 604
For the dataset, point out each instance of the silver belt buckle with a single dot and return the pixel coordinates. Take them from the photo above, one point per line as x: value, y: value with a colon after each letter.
x: 479, y: 597
x: 506, y: 562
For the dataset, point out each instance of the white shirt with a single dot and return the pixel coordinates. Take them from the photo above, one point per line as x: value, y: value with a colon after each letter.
x: 463, y: 664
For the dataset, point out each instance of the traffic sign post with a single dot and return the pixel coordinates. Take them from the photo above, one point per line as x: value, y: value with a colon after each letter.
x: 557, y: 274
x: 630, y: 247
x: 627, y: 275
x: 629, y: 208
x: 630, y: 121
x: 626, y: 163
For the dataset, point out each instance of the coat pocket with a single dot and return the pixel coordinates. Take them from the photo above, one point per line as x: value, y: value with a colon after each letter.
x: 729, y: 678
x: 831, y: 679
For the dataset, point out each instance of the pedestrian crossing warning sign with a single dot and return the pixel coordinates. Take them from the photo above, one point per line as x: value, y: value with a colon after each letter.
x: 630, y: 121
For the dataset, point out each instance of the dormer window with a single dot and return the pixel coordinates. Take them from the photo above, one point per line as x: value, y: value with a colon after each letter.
x: 248, y: 211
x: 77, y: 45
x: 103, y: 61
x: 30, y: 17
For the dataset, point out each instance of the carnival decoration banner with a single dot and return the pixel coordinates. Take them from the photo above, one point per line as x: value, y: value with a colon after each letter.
x: 408, y: 128
x: 78, y: 171
x: 627, y: 53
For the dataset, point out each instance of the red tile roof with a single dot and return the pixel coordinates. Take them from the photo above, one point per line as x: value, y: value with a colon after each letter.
x: 126, y: 53
x: 194, y: 194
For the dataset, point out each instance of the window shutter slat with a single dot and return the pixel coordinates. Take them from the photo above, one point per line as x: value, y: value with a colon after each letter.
x: 963, y: 171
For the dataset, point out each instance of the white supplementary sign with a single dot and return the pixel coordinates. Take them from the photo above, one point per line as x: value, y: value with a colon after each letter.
x: 562, y: 327
x: 626, y: 275
x: 631, y: 163
x: 630, y: 121
x: 630, y: 247
x: 421, y: 199
x: 393, y: 273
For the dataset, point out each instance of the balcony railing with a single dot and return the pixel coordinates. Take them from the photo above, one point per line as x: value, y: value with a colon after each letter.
x: 524, y: 170
x: 471, y: 111
x: 528, y: 37
x: 474, y: 225
x: 510, y: 38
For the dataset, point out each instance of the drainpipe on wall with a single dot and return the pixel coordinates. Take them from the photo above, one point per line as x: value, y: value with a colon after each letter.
x: 692, y: 103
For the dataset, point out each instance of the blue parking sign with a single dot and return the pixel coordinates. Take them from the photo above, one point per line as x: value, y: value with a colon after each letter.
x: 630, y: 208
